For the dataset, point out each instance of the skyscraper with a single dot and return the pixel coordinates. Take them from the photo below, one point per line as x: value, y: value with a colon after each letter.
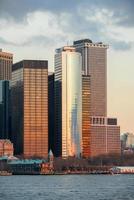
x: 29, y: 99
x: 4, y: 109
x: 94, y: 63
x: 68, y: 102
x: 6, y: 61
x: 104, y: 137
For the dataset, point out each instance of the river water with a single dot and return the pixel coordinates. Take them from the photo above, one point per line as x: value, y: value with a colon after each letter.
x: 67, y: 187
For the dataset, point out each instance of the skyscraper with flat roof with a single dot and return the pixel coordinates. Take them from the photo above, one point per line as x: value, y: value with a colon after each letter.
x: 104, y: 132
x: 29, y: 108
x: 94, y: 63
x: 6, y: 61
x: 68, y: 102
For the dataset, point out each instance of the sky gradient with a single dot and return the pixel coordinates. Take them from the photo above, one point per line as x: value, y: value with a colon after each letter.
x: 33, y: 29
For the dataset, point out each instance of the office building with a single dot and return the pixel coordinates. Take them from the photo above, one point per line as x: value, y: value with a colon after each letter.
x: 29, y: 108
x: 94, y: 63
x: 4, y: 109
x: 104, y: 133
x: 68, y: 102
x: 105, y: 136
x: 6, y: 61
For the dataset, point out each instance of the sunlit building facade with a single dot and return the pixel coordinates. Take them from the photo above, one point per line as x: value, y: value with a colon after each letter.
x: 29, y: 98
x: 6, y: 61
x: 105, y: 136
x: 68, y: 102
x: 86, y: 126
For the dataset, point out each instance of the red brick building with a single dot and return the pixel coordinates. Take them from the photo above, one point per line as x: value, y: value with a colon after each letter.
x: 6, y: 148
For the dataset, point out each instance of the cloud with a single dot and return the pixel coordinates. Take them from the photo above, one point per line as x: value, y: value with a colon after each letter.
x: 41, y: 27
x: 122, y: 45
x: 57, y: 23
x: 123, y: 9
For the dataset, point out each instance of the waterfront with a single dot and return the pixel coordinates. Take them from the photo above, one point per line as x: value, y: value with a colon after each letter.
x: 67, y: 187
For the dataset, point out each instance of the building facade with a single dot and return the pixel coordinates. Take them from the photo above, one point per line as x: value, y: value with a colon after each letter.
x: 6, y: 61
x: 86, y: 126
x: 105, y: 136
x: 29, y: 103
x: 68, y: 102
x: 94, y: 63
x: 4, y: 109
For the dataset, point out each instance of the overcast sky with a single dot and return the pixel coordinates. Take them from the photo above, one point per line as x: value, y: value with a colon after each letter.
x: 33, y: 29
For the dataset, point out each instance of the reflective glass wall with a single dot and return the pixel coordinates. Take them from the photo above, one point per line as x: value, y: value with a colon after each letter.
x: 29, y: 96
x: 68, y: 70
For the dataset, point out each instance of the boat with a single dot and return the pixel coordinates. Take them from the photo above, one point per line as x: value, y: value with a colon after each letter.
x: 122, y: 170
x: 5, y: 173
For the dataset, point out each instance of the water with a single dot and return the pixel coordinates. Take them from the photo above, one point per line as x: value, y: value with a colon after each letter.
x: 67, y: 187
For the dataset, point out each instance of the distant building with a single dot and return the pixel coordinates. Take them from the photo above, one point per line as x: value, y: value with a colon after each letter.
x: 130, y: 140
x: 123, y: 139
x: 29, y: 103
x: 68, y: 102
x: 4, y: 109
x: 127, y: 141
x: 6, y: 148
x: 6, y: 61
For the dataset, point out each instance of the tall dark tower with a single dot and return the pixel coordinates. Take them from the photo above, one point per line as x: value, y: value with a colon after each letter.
x: 4, y: 109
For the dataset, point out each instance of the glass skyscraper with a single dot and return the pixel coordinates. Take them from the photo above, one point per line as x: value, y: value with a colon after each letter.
x: 68, y: 102
x: 4, y: 109
x: 29, y: 108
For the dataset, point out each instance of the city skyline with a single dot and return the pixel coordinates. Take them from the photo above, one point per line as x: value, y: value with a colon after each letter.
x: 38, y: 24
